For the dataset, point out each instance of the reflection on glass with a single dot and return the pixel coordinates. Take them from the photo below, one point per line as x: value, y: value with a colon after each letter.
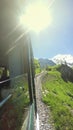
x: 14, y: 111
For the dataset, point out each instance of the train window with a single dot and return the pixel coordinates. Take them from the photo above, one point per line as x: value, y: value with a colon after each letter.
x: 13, y: 112
x: 14, y: 90
x: 14, y: 84
x: 16, y: 79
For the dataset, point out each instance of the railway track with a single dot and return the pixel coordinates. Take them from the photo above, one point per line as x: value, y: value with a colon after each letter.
x: 43, y: 111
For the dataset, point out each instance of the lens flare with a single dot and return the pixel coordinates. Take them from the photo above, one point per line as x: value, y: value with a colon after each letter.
x: 37, y: 17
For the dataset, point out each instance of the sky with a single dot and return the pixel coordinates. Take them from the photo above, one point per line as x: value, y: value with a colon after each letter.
x: 57, y: 38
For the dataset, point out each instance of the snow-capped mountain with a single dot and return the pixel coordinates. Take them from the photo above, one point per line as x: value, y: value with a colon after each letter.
x: 62, y: 59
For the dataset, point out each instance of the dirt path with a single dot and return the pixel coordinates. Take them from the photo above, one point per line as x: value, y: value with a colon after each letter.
x: 45, y: 122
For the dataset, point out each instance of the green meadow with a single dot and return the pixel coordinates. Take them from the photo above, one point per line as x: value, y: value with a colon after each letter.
x: 58, y: 94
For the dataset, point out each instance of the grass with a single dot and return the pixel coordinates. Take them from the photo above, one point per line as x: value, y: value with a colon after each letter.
x: 59, y: 96
x: 37, y: 66
x: 37, y: 70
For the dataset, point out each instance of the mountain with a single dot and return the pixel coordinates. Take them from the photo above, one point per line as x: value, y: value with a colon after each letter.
x: 62, y: 59
x: 45, y: 62
x: 66, y: 72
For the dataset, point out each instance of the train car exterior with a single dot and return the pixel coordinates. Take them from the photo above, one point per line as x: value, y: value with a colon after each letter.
x: 17, y: 89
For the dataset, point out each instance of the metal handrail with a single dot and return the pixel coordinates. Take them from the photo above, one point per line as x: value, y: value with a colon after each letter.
x: 3, y: 81
x: 5, y: 100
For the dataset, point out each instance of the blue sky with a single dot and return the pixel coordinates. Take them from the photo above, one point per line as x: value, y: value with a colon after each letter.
x: 57, y: 38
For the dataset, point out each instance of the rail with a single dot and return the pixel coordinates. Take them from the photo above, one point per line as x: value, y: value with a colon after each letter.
x: 5, y: 100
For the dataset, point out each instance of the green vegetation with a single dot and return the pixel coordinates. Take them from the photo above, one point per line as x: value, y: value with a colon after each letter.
x: 1, y: 72
x: 20, y: 99
x: 14, y: 111
x: 58, y: 94
x: 37, y: 66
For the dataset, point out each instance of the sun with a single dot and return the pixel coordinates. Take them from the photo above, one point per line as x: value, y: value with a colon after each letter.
x: 36, y: 17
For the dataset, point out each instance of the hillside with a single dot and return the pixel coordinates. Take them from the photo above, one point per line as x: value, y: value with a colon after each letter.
x: 58, y: 95
x: 66, y: 72
x: 45, y: 62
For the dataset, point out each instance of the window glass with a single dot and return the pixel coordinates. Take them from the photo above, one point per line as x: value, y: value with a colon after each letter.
x: 14, y: 102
